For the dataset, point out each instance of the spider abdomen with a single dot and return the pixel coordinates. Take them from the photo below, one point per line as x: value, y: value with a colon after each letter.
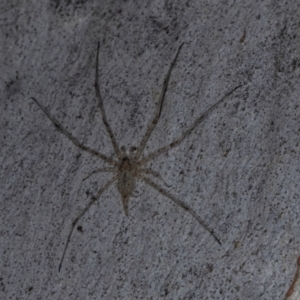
x: 126, y: 185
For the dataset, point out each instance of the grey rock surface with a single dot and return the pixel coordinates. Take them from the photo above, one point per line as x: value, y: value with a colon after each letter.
x: 239, y: 170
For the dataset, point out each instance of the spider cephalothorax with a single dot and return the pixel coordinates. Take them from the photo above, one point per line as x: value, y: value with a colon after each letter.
x: 129, y: 166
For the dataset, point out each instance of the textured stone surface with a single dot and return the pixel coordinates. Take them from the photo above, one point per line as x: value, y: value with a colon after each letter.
x: 239, y: 170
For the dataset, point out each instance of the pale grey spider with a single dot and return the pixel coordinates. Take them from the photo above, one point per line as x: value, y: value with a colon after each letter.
x: 129, y: 164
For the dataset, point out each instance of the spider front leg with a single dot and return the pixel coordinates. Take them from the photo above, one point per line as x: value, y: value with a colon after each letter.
x: 94, y: 199
x: 100, y: 103
x: 158, y: 109
x: 180, y: 203
x: 186, y: 133
x: 66, y: 133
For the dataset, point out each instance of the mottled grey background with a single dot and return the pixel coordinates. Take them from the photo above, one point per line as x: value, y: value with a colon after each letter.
x: 239, y: 170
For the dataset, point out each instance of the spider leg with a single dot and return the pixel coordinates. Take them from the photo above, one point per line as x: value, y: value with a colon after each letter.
x: 93, y: 200
x: 66, y: 133
x: 186, y: 133
x: 100, y: 103
x: 158, y: 109
x: 100, y: 170
x: 180, y: 203
x: 153, y: 173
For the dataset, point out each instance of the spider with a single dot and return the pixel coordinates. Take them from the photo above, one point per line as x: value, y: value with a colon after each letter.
x: 129, y: 165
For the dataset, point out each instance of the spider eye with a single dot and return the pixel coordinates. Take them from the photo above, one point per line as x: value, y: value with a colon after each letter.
x: 133, y: 149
